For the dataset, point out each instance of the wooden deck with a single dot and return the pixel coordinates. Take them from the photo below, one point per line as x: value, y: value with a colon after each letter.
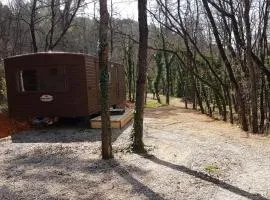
x: 117, y: 121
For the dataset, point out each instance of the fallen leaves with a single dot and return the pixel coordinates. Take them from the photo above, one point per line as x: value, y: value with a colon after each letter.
x: 9, y: 126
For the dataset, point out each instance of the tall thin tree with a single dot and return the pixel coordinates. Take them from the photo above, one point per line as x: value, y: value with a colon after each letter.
x: 104, y: 76
x: 32, y: 25
x: 137, y: 136
x: 251, y: 68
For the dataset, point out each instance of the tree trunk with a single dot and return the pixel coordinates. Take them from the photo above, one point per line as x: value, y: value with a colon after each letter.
x: 146, y: 90
x: 237, y: 87
x: 52, y: 25
x: 158, y: 59
x: 224, y: 110
x: 252, y: 75
x: 228, y: 95
x: 130, y: 71
x: 137, y: 137
x: 204, y: 93
x: 32, y: 25
x: 167, y: 75
x: 165, y: 54
x: 111, y: 31
x: 197, y: 96
x: 262, y: 116
x: 103, y: 66
x: 133, y: 81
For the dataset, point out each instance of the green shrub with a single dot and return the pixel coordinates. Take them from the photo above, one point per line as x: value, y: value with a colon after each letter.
x: 211, y: 168
x: 153, y: 104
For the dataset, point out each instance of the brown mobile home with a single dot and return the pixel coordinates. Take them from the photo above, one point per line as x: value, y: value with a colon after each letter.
x: 59, y: 84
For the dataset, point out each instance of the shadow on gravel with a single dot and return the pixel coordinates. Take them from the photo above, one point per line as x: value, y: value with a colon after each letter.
x: 206, y: 177
x: 126, y: 173
x: 8, y: 194
x: 74, y: 176
x: 138, y: 187
x: 63, y: 135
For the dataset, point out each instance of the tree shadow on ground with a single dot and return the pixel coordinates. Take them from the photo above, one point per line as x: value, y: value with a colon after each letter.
x: 207, y: 178
x: 92, y: 176
x: 87, y: 178
x: 126, y: 173
x: 7, y: 193
x: 138, y: 187
x: 64, y: 135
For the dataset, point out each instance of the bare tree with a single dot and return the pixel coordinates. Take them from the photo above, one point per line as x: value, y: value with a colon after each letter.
x: 32, y: 25
x: 104, y: 76
x: 253, y: 85
x: 137, y: 136
x: 60, y: 18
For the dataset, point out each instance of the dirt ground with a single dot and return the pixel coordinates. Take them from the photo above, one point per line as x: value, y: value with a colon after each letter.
x: 9, y: 126
x: 190, y: 156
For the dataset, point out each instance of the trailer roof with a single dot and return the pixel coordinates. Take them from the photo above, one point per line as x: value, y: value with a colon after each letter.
x: 57, y: 53
x: 49, y: 53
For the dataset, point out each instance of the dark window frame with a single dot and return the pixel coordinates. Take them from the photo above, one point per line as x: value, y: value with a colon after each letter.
x: 40, y: 76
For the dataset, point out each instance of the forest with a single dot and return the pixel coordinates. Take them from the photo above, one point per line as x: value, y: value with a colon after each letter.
x: 211, y: 53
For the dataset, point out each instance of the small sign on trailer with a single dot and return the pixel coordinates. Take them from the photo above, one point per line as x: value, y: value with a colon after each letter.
x: 46, y: 98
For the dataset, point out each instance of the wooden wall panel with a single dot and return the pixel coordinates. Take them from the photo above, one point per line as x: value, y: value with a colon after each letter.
x: 71, y: 103
x: 81, y: 98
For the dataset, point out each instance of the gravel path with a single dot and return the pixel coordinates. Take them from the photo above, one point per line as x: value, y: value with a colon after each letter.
x: 190, y: 156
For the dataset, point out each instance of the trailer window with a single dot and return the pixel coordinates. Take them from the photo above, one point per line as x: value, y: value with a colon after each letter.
x: 28, y: 80
x: 54, y: 79
x: 47, y: 79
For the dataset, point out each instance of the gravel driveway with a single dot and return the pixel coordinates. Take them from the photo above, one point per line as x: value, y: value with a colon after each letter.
x: 190, y: 156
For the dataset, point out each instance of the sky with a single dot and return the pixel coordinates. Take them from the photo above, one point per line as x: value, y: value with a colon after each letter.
x: 125, y: 8
x: 121, y: 8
